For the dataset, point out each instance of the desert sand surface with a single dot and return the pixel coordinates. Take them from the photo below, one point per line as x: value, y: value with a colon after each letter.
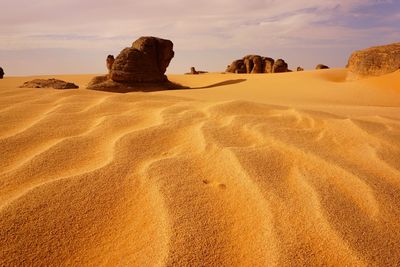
x: 292, y: 169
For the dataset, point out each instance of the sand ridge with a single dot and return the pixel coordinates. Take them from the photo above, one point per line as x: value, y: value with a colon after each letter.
x: 245, y: 170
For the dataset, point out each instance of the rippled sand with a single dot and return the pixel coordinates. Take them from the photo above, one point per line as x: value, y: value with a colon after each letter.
x: 243, y: 170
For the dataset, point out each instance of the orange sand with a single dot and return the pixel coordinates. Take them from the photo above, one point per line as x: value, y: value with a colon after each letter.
x: 286, y: 169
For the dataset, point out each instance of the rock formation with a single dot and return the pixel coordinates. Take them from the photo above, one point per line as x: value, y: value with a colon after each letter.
x: 1, y: 73
x: 140, y: 66
x: 146, y: 61
x: 193, y: 71
x: 49, y: 83
x: 268, y: 64
x: 109, y: 62
x: 321, y: 67
x: 257, y: 64
x: 280, y: 66
x: 375, y: 61
x: 237, y: 66
x: 300, y: 69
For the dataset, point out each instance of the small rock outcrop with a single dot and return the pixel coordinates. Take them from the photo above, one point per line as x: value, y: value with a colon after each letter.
x: 193, y: 71
x: 321, y: 67
x: 142, y: 65
x: 280, y: 66
x: 1, y: 73
x: 300, y: 69
x: 49, y: 83
x: 375, y: 61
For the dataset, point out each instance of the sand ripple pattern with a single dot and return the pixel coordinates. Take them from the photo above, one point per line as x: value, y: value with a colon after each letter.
x: 147, y: 180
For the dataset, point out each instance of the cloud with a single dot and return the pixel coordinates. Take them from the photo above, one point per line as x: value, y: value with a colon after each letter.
x: 233, y: 25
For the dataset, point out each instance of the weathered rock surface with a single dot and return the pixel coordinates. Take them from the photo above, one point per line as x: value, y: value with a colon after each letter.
x: 321, y: 67
x: 109, y: 63
x: 268, y: 64
x: 1, y: 73
x: 375, y: 61
x: 300, y: 69
x: 146, y: 61
x: 140, y: 67
x: 280, y: 66
x: 49, y: 83
x: 237, y: 66
x: 253, y: 64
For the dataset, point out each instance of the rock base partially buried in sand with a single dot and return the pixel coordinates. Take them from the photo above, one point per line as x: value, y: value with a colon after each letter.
x: 49, y: 83
x: 140, y: 67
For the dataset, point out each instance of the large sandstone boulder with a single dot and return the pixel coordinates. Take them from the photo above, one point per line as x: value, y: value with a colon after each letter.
x: 49, y: 83
x: 1, y: 73
x: 146, y: 61
x: 140, y: 67
x: 280, y: 66
x: 300, y: 69
x: 375, y: 61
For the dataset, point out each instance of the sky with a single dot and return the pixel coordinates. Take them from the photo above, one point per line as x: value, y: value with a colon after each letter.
x: 75, y: 36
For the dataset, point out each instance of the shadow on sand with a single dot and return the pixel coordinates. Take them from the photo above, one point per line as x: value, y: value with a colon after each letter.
x: 114, y: 87
x: 227, y: 82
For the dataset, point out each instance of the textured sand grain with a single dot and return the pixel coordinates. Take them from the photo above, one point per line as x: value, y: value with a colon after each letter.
x: 242, y: 170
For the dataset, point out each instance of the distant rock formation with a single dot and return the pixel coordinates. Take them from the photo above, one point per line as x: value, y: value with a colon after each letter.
x: 49, y: 83
x: 1, y: 73
x: 321, y: 67
x: 193, y: 71
x: 375, y: 61
x: 280, y: 66
x: 257, y: 64
x: 110, y: 62
x: 300, y: 69
x: 141, y: 66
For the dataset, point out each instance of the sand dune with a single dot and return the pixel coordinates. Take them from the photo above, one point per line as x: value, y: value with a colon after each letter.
x: 242, y: 170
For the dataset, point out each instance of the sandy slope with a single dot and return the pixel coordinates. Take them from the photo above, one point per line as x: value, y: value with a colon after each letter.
x: 246, y: 170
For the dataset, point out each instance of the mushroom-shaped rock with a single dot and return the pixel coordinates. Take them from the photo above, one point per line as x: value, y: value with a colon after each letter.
x: 375, y: 61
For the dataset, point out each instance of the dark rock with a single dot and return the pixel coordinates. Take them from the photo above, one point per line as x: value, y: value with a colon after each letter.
x: 237, y: 66
x: 109, y: 62
x: 1, y: 73
x: 193, y: 71
x: 300, y: 69
x: 280, y: 66
x: 268, y: 64
x: 253, y: 64
x: 321, y: 67
x: 49, y: 83
x: 141, y: 67
x: 146, y: 61
x: 375, y: 61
